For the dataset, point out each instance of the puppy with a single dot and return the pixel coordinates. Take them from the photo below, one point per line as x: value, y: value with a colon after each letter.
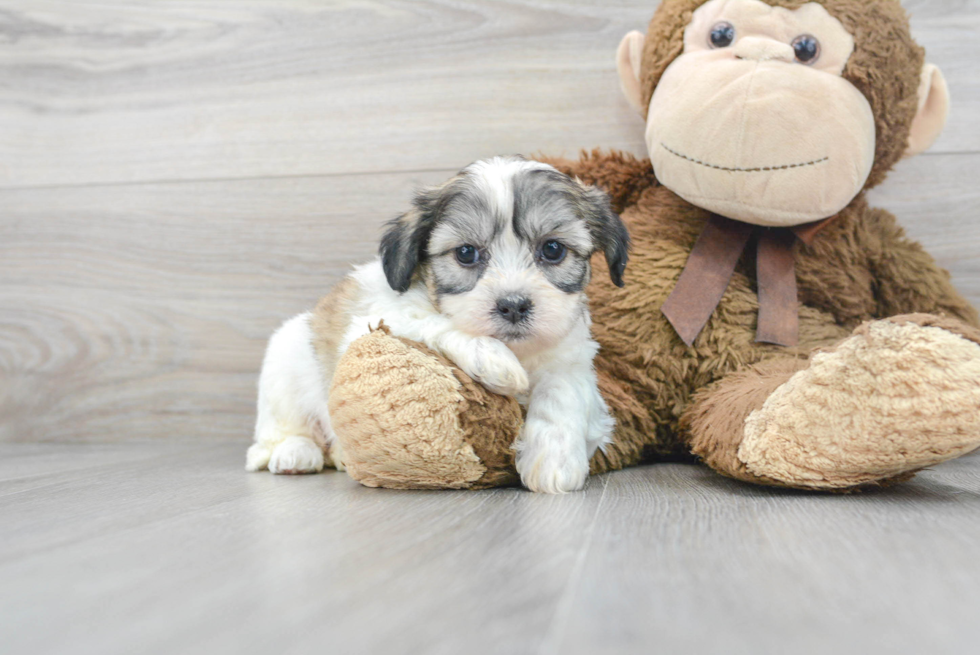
x: 488, y: 269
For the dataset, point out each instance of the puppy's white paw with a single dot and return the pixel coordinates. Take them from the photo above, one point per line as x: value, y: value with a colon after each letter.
x: 257, y: 457
x: 296, y: 455
x: 547, y: 465
x: 495, y: 366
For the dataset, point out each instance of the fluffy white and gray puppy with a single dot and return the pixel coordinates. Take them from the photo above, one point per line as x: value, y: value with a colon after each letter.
x: 488, y: 269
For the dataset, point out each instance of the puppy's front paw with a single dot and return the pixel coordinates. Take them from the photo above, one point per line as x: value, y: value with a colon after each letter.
x: 547, y: 465
x: 257, y: 457
x: 495, y: 366
x: 296, y: 455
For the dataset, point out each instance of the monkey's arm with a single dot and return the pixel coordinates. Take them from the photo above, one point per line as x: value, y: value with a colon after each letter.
x: 621, y: 175
x: 908, y: 278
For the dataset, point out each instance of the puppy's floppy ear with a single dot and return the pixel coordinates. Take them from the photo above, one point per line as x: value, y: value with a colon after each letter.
x: 403, y: 246
x: 609, y: 233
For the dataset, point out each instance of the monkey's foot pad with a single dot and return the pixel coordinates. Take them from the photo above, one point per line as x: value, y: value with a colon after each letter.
x: 894, y: 397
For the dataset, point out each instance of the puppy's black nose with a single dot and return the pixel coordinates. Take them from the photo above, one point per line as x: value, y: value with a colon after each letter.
x: 514, y: 308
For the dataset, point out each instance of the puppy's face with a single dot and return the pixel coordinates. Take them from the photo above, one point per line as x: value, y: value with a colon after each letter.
x: 504, y: 247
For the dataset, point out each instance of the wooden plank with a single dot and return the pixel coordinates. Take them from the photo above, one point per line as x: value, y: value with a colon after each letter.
x: 35, y: 463
x: 122, y: 303
x: 126, y: 90
x: 937, y: 201
x: 947, y: 30
x: 142, y: 311
x: 198, y: 556
x: 36, y: 466
x: 695, y: 563
x: 191, y: 554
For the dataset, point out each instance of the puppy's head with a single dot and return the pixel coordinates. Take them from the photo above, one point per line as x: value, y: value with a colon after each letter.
x: 504, y: 247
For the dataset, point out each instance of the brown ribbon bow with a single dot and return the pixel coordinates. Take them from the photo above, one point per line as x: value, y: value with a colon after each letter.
x: 711, y: 265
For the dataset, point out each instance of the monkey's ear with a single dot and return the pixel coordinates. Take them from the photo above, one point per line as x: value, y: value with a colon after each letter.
x: 608, y: 231
x: 403, y: 246
x: 933, y: 109
x: 628, y: 59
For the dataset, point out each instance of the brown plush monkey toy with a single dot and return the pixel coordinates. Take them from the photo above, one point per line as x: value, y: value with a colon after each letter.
x: 773, y: 324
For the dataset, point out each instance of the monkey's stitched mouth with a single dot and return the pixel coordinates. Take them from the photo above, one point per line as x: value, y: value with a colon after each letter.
x: 743, y: 170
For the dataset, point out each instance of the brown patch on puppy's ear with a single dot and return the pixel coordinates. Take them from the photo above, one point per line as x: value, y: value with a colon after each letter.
x: 329, y: 322
x: 609, y: 233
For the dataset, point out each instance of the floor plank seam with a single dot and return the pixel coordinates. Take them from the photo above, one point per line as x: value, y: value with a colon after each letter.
x: 550, y: 643
x: 86, y: 472
x: 315, y: 176
x: 75, y: 542
x: 220, y: 180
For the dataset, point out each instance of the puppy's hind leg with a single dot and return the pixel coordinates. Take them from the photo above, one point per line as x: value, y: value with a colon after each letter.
x: 292, y: 428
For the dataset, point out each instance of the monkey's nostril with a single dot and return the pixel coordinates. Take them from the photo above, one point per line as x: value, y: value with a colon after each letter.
x: 514, y: 309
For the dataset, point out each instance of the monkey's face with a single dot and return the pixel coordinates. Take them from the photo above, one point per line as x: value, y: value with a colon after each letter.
x: 753, y: 120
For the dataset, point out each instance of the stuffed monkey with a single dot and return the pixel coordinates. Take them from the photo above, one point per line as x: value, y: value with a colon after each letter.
x: 773, y: 324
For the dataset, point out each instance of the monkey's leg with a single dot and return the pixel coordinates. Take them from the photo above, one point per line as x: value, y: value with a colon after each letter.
x: 406, y: 418
x: 896, y: 396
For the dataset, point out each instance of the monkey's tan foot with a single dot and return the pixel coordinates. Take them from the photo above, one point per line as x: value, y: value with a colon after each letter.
x: 406, y: 418
x: 334, y: 457
x: 896, y: 396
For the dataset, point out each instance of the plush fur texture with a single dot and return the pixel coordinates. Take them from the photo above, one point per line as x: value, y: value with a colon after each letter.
x: 858, y: 268
x: 375, y: 395
x: 672, y: 401
x: 832, y: 424
x: 748, y: 409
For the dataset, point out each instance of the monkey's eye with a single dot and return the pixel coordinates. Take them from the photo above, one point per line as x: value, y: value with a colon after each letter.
x: 807, y: 48
x: 553, y: 252
x: 722, y: 35
x: 467, y: 255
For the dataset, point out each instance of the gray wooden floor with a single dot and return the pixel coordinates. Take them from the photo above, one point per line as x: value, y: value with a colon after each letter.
x: 178, y: 178
x: 168, y: 547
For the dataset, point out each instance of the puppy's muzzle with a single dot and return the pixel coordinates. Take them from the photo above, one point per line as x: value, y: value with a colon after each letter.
x: 514, y: 308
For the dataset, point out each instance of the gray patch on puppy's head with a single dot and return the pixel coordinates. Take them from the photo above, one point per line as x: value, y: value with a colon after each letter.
x: 467, y: 218
x: 405, y: 244
x: 550, y: 205
x: 506, y: 210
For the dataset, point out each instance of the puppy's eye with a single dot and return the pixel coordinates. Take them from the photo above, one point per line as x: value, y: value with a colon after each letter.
x: 553, y: 252
x: 722, y: 35
x: 806, y: 48
x: 467, y: 255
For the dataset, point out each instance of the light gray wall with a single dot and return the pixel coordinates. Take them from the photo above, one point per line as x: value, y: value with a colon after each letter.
x: 176, y: 179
